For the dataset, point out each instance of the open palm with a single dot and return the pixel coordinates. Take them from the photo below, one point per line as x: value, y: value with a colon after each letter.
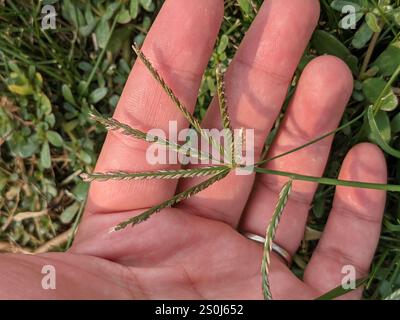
x: 195, y: 250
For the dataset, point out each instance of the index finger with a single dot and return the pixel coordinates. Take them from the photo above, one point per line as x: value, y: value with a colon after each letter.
x: 179, y: 45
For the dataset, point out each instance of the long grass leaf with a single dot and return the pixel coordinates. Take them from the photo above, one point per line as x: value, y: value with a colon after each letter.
x: 360, y: 116
x: 328, y: 181
x: 394, y: 296
x: 340, y: 291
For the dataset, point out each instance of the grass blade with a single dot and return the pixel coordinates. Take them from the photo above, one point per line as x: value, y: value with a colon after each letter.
x: 160, y: 174
x: 329, y: 181
x: 174, y: 200
x: 269, y: 238
x: 313, y: 141
x: 340, y: 291
x: 101, y: 55
x: 394, y: 296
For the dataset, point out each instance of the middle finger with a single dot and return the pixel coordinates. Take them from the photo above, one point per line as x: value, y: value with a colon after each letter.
x: 256, y: 85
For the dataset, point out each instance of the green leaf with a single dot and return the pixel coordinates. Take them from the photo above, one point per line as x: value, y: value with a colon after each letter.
x: 390, y: 226
x: 385, y: 288
x: 70, y: 212
x: 124, y: 17
x: 389, y: 60
x: 97, y: 95
x: 111, y: 8
x: 318, y: 206
x: 328, y: 181
x: 340, y: 291
x: 134, y: 8
x: 362, y: 36
x: 395, y: 124
x: 326, y: 43
x: 45, y: 157
x: 85, y: 157
x: 377, y: 135
x: 372, y: 22
x: 69, y: 12
x: 37, y: 79
x: 21, y: 90
x: 86, y: 30
x: 82, y: 88
x: 245, y: 6
x: 103, y: 32
x: 383, y: 124
x: 22, y: 147
x: 120, y: 38
x: 80, y: 17
x: 54, y: 138
x: 147, y: 5
x: 339, y: 4
x: 45, y: 2
x: 113, y: 101
x: 394, y: 296
x: 67, y: 94
x: 88, y: 13
x: 223, y: 44
x: 45, y: 104
x: 373, y: 89
x: 396, y: 16
x: 80, y: 191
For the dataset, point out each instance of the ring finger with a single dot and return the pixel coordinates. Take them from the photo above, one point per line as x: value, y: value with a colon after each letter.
x: 316, y: 108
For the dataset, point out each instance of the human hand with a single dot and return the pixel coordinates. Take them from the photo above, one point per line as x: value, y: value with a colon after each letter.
x: 194, y: 250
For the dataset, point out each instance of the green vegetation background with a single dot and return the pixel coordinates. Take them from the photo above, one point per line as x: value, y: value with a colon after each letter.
x: 49, y: 79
